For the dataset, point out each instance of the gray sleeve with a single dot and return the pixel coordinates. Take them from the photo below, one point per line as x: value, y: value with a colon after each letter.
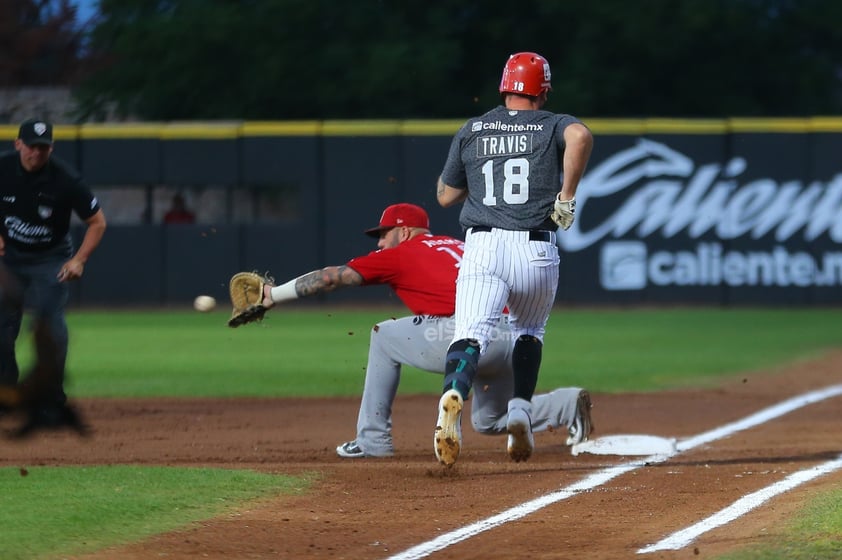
x: 564, y: 122
x: 453, y: 173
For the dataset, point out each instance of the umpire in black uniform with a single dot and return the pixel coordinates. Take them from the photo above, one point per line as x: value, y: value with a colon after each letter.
x: 38, y: 193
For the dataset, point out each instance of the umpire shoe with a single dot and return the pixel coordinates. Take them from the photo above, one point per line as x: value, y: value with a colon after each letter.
x: 582, y: 426
x: 447, y: 440
x: 519, y: 426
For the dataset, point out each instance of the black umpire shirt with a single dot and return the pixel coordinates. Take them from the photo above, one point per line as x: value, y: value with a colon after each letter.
x: 36, y: 207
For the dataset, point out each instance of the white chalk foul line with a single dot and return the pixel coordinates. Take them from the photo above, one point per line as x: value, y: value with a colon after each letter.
x: 760, y: 417
x: 448, y: 539
x: 601, y: 477
x: 682, y: 538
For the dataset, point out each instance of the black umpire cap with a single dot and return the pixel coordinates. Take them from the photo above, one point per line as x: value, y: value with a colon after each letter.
x: 36, y: 131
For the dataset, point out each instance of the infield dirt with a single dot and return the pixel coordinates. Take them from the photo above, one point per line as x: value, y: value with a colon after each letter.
x: 375, y: 508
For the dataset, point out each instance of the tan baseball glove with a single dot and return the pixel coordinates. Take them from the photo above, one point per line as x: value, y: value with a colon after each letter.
x: 246, y: 290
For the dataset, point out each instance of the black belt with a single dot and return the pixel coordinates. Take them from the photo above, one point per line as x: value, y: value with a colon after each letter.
x: 534, y: 234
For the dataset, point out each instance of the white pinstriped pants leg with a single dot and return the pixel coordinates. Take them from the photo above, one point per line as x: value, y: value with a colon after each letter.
x: 504, y: 268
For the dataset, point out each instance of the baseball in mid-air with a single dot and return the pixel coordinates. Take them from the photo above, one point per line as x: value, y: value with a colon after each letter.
x: 204, y: 303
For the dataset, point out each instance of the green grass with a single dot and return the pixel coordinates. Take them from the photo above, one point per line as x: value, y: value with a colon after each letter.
x: 813, y: 535
x: 618, y: 351
x: 72, y: 510
x: 322, y: 352
x: 193, y: 354
x: 309, y: 352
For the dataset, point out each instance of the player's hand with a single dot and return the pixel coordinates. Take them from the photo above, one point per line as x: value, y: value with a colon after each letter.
x: 564, y: 212
x: 71, y: 270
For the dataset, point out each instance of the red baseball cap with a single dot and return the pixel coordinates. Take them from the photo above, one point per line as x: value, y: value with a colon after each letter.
x: 403, y: 214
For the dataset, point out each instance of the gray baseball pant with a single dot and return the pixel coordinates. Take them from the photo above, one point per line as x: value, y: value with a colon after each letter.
x: 422, y: 342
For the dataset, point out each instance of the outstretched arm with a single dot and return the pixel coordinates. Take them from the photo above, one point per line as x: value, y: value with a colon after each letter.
x: 326, y: 280
x: 320, y: 281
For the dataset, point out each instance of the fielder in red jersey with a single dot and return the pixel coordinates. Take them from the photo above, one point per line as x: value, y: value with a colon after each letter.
x: 421, y: 268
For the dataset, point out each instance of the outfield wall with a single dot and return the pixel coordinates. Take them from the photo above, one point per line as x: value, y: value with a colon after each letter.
x: 731, y: 211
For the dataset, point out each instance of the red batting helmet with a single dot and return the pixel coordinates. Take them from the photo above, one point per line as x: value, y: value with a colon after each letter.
x: 527, y: 73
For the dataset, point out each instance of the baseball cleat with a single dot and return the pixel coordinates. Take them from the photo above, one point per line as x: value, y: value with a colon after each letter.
x: 447, y: 440
x: 520, y: 443
x: 582, y: 426
x: 350, y: 450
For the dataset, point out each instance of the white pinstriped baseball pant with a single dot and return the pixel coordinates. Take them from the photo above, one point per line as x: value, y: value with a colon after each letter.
x: 504, y: 268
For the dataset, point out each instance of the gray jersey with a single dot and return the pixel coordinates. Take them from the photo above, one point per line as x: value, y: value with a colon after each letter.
x: 511, y: 163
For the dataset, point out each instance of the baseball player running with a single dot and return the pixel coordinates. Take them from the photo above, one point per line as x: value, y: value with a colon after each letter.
x: 516, y: 168
x: 421, y: 268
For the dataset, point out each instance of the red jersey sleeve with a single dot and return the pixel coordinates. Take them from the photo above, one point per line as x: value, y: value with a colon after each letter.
x: 377, y: 267
x: 421, y: 271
